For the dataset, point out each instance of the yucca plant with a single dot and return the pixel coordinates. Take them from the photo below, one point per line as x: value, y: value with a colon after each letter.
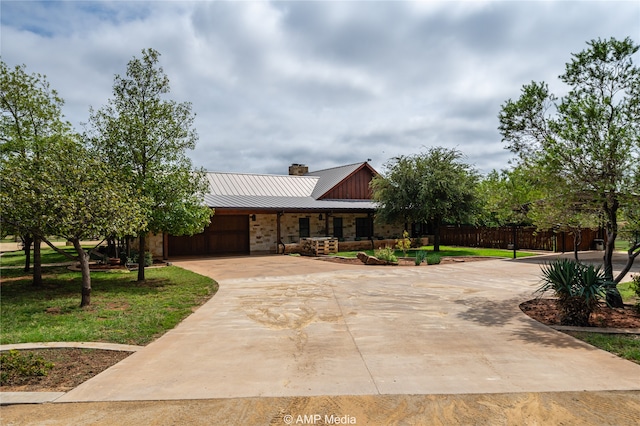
x: 579, y: 289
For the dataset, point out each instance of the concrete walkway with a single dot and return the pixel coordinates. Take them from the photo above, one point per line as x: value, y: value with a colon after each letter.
x: 282, y: 326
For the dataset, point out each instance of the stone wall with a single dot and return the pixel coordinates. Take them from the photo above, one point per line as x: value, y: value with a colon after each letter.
x: 263, y: 235
x: 154, y: 244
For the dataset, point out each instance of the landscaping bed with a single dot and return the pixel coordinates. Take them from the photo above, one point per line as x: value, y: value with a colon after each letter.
x: 71, y: 367
x: 546, y: 312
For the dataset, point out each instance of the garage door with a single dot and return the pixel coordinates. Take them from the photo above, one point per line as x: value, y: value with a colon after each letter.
x: 226, y: 235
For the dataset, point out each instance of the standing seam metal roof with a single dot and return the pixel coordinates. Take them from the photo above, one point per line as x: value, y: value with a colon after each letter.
x: 242, y: 190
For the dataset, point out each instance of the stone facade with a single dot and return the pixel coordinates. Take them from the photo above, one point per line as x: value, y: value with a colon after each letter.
x: 154, y: 244
x: 263, y: 231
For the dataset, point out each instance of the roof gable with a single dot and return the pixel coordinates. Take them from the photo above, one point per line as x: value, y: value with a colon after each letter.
x: 344, y: 182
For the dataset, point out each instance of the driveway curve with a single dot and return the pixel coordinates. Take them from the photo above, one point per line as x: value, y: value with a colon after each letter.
x: 283, y: 326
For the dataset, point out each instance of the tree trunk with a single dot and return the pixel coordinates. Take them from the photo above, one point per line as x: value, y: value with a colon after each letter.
x: 577, y: 240
x: 27, y: 240
x: 86, y: 273
x: 37, y: 263
x: 614, y: 299
x: 141, y: 257
x: 436, y: 238
x: 632, y: 254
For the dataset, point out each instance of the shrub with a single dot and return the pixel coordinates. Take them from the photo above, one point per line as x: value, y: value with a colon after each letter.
x: 14, y: 364
x: 421, y: 255
x: 386, y: 253
x: 578, y: 287
x: 148, y: 258
x: 433, y: 259
x: 404, y: 244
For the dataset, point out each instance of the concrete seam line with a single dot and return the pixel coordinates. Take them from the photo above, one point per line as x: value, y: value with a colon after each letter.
x: 354, y: 340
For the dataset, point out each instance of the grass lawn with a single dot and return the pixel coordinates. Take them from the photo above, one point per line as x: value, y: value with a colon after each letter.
x: 451, y: 251
x: 121, y: 311
x: 624, y: 346
x: 626, y: 291
x: 48, y: 255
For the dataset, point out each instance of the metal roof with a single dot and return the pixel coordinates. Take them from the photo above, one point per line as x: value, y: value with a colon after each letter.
x: 277, y: 192
x: 238, y: 184
x: 284, y: 203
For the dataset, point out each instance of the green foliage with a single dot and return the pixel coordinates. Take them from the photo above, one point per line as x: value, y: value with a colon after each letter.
x: 404, y: 243
x: 50, y: 184
x: 146, y: 136
x: 421, y: 255
x: 624, y: 346
x: 148, y: 258
x: 578, y: 287
x: 432, y: 187
x: 433, y: 259
x: 122, y: 310
x: 16, y: 364
x: 386, y: 253
x: 507, y: 195
x: 586, y: 143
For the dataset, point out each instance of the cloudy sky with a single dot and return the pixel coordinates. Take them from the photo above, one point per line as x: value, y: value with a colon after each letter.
x: 319, y: 83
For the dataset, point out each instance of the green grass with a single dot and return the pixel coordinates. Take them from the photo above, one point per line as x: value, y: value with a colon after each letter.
x: 48, y: 255
x: 626, y: 291
x: 121, y: 311
x: 451, y: 251
x: 622, y: 345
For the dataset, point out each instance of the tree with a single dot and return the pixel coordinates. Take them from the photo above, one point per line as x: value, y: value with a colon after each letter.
x: 506, y: 196
x: 31, y: 119
x: 589, y: 138
x: 566, y: 212
x: 146, y: 136
x: 432, y: 187
x: 81, y: 198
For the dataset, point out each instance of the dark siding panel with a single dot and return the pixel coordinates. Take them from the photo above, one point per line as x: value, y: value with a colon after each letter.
x: 225, y: 235
x: 355, y: 187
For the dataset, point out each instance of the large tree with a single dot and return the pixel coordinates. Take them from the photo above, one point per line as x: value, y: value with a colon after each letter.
x: 146, y: 137
x: 433, y: 187
x: 31, y: 119
x: 80, y: 195
x: 588, y: 138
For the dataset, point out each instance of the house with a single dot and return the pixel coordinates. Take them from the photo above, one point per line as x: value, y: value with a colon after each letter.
x: 259, y: 213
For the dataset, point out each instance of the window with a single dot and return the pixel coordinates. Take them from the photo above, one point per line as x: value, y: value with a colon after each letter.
x: 364, y: 227
x: 337, y: 227
x: 303, y: 226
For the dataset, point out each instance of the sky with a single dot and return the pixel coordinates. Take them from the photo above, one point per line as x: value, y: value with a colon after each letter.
x: 324, y: 83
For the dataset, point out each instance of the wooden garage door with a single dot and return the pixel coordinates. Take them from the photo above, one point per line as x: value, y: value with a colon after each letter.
x: 226, y: 235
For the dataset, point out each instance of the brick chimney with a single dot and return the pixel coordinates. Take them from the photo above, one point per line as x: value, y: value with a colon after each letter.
x: 298, y: 170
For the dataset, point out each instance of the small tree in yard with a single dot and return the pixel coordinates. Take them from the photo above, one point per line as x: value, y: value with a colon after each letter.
x: 31, y: 119
x: 588, y: 139
x: 432, y: 187
x: 145, y: 137
x: 81, y: 198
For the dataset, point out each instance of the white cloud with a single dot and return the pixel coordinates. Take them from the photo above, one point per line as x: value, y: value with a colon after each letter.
x: 322, y: 83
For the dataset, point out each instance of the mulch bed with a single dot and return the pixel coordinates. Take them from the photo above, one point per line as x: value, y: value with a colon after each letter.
x: 72, y: 366
x: 547, y: 312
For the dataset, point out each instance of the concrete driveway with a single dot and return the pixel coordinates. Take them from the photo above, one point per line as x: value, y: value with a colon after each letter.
x: 302, y: 327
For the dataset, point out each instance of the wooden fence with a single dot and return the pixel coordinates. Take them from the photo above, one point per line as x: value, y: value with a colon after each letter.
x: 526, y: 238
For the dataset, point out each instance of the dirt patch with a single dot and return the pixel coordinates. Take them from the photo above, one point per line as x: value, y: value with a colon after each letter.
x: 547, y: 312
x: 72, y: 366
